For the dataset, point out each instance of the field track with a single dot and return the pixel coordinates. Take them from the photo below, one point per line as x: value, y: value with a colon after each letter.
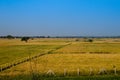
x: 10, y: 65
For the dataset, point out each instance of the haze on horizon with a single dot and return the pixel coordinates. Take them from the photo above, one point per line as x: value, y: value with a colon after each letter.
x: 60, y: 17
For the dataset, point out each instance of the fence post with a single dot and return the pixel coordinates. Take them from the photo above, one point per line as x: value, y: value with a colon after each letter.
x: 115, y: 70
x: 91, y: 71
x: 78, y: 71
x: 65, y: 72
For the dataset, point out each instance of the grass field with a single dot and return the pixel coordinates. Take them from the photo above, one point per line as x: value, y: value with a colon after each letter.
x: 11, y: 50
x: 98, y: 60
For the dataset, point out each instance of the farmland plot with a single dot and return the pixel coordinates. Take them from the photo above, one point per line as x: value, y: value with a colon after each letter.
x: 75, y: 59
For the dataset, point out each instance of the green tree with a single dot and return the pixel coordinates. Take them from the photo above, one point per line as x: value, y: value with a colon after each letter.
x: 25, y: 39
x: 9, y: 37
x: 90, y: 40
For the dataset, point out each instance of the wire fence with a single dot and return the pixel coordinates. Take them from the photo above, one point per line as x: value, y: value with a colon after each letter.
x: 26, y: 59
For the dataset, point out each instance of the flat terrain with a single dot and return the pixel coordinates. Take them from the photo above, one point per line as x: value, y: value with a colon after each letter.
x: 66, y: 58
x: 11, y: 50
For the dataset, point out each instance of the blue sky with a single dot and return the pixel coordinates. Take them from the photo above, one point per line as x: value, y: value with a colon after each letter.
x: 60, y: 17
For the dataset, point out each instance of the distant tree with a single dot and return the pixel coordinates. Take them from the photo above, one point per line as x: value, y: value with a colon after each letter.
x: 77, y: 40
x: 25, y: 39
x: 48, y: 36
x: 90, y: 40
x: 9, y: 37
x: 32, y: 38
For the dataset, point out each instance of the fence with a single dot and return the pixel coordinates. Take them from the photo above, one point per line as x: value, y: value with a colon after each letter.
x: 17, y: 62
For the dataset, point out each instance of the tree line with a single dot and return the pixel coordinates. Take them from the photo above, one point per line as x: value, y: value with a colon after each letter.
x: 87, y: 38
x: 12, y: 37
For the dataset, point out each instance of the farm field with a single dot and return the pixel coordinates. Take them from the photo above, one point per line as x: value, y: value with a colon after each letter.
x: 65, y: 58
x: 11, y: 50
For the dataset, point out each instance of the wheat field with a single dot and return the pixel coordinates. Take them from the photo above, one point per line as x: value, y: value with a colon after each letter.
x: 64, y: 57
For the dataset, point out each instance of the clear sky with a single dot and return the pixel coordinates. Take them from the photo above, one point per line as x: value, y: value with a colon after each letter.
x: 60, y: 17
